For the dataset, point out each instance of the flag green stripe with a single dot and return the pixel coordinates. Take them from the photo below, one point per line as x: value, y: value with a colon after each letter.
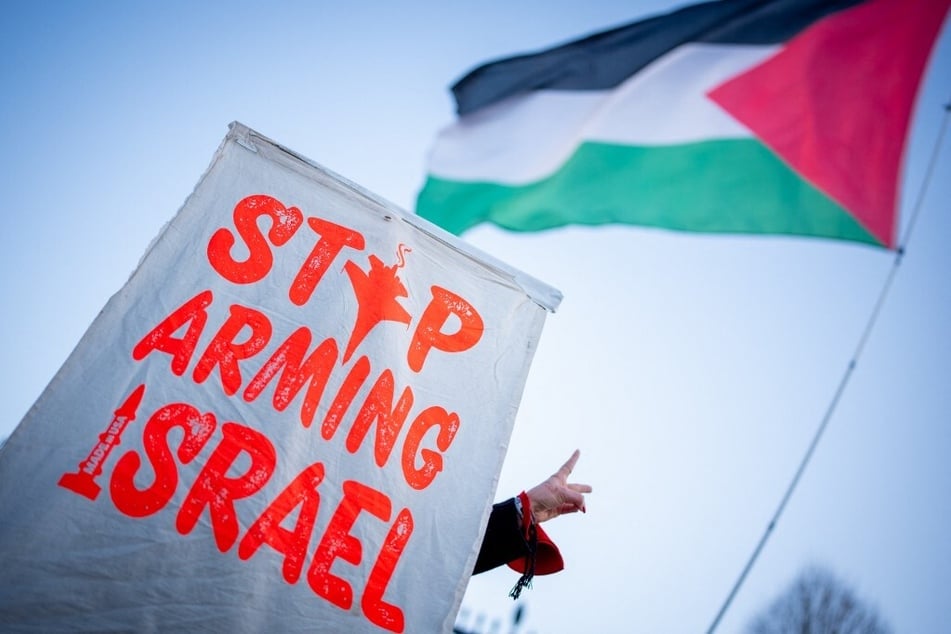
x: 726, y: 186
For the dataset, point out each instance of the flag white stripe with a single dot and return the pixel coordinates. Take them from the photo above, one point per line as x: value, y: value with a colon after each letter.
x: 526, y: 138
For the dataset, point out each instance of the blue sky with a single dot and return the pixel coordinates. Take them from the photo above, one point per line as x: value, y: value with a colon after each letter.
x: 691, y: 371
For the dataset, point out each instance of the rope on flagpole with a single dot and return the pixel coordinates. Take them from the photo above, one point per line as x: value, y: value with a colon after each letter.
x: 899, y: 253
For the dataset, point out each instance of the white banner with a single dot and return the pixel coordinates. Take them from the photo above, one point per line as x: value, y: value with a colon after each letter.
x: 292, y: 417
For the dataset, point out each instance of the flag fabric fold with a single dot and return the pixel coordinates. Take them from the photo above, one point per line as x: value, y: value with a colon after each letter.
x: 739, y: 116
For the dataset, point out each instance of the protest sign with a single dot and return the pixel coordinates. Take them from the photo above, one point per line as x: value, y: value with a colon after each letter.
x: 291, y: 417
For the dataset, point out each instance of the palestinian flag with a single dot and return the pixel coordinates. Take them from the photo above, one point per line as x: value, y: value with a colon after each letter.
x: 769, y: 116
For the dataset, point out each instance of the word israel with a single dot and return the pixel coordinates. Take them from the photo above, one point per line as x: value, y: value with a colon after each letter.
x: 217, y: 492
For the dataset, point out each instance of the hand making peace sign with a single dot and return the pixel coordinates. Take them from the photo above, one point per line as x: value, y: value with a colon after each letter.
x: 556, y: 495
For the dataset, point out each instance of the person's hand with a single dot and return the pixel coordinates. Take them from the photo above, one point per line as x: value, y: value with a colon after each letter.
x: 556, y: 495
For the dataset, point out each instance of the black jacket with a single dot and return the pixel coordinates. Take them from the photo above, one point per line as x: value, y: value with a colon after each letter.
x: 503, y: 540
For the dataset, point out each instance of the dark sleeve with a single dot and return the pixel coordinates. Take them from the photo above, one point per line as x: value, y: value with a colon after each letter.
x: 503, y: 541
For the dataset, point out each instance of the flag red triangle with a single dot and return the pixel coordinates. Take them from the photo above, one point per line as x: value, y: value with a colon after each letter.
x: 836, y: 102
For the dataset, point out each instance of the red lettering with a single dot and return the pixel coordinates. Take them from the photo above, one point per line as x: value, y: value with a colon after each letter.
x: 198, y: 428
x: 267, y: 528
x: 429, y: 335
x: 242, y: 464
x: 338, y: 542
x: 318, y: 367
x: 218, y: 492
x: 333, y: 238
x: 358, y: 374
x: 191, y: 312
x: 387, y: 615
x: 378, y: 406
x: 284, y: 223
x: 448, y: 424
x: 225, y: 353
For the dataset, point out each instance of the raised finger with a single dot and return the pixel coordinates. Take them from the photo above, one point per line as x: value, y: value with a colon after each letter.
x: 566, y: 468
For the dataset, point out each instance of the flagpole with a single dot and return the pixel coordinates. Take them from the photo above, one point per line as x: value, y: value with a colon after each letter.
x: 899, y: 253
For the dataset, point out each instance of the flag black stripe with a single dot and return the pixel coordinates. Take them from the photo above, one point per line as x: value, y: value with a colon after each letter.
x: 603, y: 60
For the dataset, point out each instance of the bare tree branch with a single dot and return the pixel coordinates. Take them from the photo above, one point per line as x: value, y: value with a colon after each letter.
x: 818, y: 603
